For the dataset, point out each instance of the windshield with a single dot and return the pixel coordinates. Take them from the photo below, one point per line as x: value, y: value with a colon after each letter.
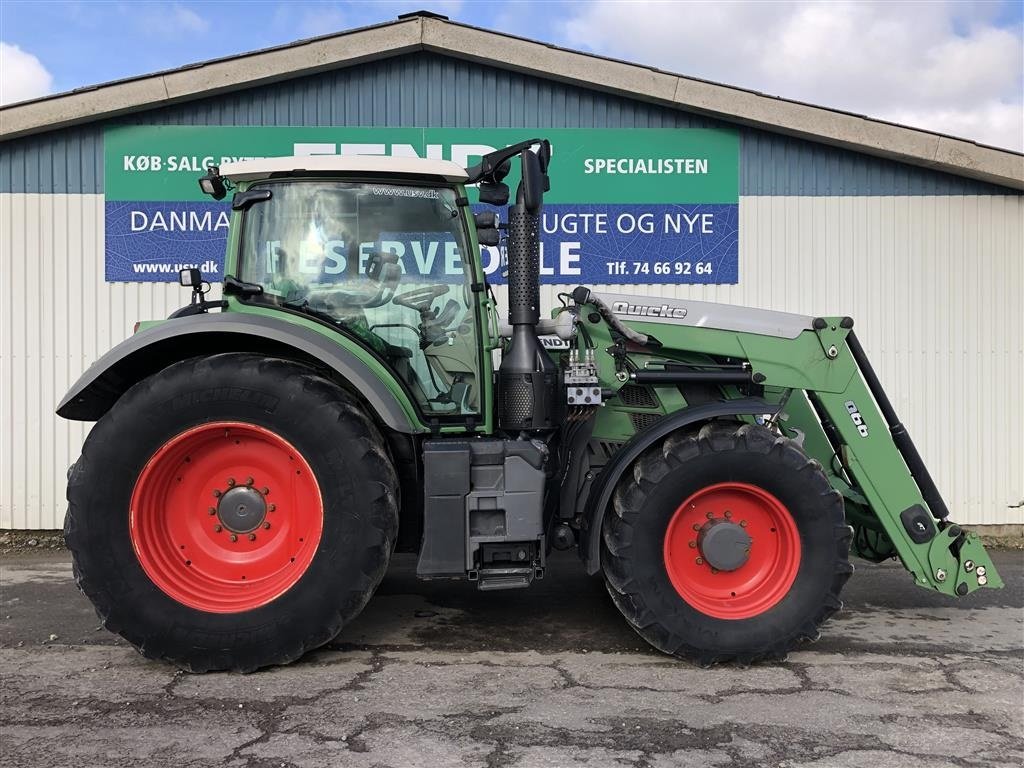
x: 382, y: 261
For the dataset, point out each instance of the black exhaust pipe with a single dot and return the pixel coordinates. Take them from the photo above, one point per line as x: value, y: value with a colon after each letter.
x: 527, y: 378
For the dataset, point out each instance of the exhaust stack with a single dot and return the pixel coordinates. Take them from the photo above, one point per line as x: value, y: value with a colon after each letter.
x: 527, y: 378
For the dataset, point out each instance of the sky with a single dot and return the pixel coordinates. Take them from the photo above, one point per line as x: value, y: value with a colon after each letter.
x: 952, y: 67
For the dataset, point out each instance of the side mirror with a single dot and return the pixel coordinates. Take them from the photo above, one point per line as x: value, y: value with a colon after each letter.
x: 190, y: 278
x: 493, y: 194
x: 531, y: 188
x: 544, y: 154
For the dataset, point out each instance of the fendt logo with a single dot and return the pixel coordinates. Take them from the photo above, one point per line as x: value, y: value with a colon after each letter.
x: 862, y: 428
x: 648, y: 310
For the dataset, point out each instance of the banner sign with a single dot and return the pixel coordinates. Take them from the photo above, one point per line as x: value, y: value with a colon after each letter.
x: 625, y: 206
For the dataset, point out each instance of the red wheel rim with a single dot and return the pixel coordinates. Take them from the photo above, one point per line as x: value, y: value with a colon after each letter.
x: 770, y: 569
x: 183, y: 520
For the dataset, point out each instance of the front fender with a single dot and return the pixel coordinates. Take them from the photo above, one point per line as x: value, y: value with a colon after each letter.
x: 600, y: 495
x: 153, y: 349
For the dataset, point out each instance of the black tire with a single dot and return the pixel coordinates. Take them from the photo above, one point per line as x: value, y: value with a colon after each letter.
x: 347, y: 455
x: 645, y: 501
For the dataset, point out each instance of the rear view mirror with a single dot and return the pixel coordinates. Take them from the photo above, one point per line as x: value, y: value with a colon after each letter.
x: 544, y: 154
x: 531, y: 188
x: 190, y: 278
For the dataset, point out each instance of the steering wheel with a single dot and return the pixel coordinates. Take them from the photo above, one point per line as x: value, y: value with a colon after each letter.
x: 420, y: 299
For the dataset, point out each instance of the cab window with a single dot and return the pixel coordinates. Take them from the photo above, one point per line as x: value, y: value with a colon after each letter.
x: 385, y: 263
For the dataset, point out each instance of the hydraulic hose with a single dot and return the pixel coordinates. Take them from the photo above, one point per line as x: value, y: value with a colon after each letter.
x: 586, y: 296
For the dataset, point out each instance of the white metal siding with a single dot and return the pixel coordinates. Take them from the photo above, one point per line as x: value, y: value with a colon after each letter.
x: 936, y: 288
x: 57, y: 316
x: 935, y: 284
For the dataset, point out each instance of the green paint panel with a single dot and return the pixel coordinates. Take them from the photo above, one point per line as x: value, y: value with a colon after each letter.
x: 883, y: 485
x: 162, y: 163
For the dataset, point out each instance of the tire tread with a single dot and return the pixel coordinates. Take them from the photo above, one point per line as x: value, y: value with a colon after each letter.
x: 675, y: 451
x: 95, y: 578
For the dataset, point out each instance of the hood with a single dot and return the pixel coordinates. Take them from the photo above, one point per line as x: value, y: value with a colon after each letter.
x: 706, y: 314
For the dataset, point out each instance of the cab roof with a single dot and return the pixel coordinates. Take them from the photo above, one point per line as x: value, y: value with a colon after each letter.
x: 355, y: 165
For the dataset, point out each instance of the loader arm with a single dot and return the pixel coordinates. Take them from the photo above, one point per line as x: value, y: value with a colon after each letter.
x: 830, y: 400
x: 882, y: 461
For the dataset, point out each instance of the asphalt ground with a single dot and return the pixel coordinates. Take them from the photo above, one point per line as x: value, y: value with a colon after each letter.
x: 437, y: 674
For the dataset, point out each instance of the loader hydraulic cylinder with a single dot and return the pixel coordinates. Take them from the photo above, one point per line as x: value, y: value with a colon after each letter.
x: 900, y: 436
x: 684, y: 377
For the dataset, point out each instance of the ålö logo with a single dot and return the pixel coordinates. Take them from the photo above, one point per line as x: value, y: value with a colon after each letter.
x: 648, y: 310
x: 862, y: 428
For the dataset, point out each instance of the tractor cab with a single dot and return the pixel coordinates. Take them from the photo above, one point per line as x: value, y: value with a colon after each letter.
x: 375, y: 247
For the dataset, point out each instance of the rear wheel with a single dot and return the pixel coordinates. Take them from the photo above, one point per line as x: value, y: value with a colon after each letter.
x: 726, y: 543
x: 231, y: 512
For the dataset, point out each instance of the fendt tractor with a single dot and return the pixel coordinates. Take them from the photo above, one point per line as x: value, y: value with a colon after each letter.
x: 257, y: 458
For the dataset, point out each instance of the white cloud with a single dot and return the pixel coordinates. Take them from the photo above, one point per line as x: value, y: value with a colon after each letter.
x: 941, y: 66
x: 188, y: 21
x: 22, y: 75
x: 165, y: 21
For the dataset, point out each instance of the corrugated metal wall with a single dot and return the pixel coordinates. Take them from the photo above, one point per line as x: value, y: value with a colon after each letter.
x: 935, y: 284
x: 929, y: 264
x: 435, y: 91
x: 57, y: 316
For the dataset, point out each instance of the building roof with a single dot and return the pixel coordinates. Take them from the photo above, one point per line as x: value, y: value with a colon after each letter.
x: 429, y: 32
x: 247, y: 170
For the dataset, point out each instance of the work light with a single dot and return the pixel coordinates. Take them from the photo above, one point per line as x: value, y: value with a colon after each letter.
x: 212, y: 183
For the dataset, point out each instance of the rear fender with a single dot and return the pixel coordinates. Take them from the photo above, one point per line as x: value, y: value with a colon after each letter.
x: 600, y: 496
x: 155, y: 348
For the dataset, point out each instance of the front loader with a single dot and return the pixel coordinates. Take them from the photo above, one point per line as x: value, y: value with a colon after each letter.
x: 257, y: 459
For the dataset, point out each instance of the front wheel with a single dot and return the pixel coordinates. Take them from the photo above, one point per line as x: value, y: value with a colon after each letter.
x: 231, y: 512
x: 727, y: 543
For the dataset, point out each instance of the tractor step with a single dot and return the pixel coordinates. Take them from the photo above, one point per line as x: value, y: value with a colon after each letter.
x: 516, y: 577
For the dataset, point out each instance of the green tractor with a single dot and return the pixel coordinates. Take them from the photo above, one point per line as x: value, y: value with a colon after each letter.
x: 257, y: 459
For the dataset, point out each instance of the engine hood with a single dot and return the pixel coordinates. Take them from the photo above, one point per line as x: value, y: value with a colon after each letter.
x: 706, y: 314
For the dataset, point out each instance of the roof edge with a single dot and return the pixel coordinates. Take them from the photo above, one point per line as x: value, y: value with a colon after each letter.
x: 247, y: 70
x: 859, y: 133
x: 774, y: 114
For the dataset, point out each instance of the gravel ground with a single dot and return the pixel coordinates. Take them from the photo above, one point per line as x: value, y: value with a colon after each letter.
x: 440, y: 675
x: 17, y: 542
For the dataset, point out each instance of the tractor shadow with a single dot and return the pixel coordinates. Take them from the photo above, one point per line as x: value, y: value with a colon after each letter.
x: 565, y: 611
x: 568, y: 611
